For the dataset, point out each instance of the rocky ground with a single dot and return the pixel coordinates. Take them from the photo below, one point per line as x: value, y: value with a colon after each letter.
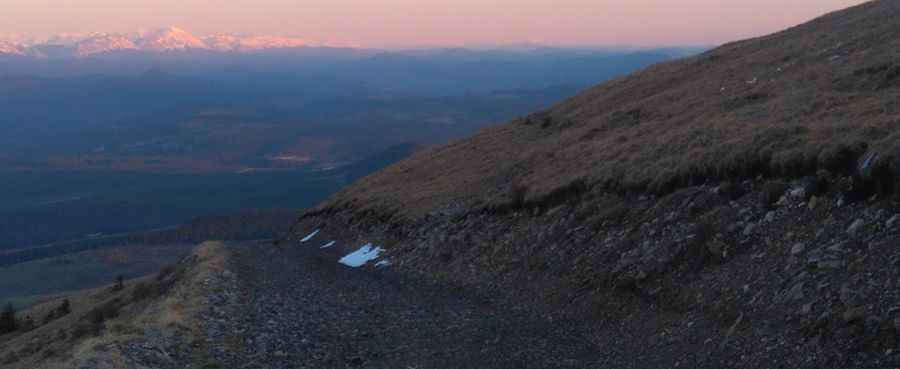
x: 758, y: 274
x: 761, y: 273
x: 296, y: 307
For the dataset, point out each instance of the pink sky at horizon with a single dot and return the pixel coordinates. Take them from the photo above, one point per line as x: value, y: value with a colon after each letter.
x: 410, y: 23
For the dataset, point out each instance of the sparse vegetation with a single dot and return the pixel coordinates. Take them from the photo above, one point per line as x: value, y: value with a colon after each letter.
x: 27, y: 323
x: 60, y: 311
x: 144, y: 290
x: 714, y: 117
x: 106, y: 313
x: 8, y: 321
x: 120, y: 283
x: 165, y: 272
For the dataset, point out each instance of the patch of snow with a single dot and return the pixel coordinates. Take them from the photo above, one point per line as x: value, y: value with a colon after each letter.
x: 327, y: 245
x: 310, y: 236
x: 383, y: 264
x: 362, y: 256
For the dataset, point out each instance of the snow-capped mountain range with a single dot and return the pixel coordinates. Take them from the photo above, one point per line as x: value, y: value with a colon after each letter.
x: 162, y: 40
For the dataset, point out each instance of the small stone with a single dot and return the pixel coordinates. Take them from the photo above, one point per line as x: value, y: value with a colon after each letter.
x: 798, y: 249
x: 356, y: 361
x: 748, y: 230
x: 823, y: 318
x: 830, y: 264
x: 856, y: 313
x: 733, y: 227
x: 280, y: 354
x: 813, y: 202
x: 846, y: 294
x: 717, y: 248
x: 770, y: 217
x: 796, y: 292
x: 856, y: 226
x: 892, y: 221
x: 731, y: 330
x: 820, y: 233
x: 806, y: 309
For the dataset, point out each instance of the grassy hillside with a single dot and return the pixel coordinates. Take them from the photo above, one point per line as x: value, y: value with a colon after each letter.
x: 814, y: 97
x: 104, y: 325
x: 92, y: 268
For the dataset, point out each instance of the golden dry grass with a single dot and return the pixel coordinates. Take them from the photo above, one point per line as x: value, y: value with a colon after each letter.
x: 173, y: 311
x: 816, y: 96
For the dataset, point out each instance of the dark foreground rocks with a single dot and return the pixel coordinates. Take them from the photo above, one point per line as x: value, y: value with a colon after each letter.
x: 750, y: 274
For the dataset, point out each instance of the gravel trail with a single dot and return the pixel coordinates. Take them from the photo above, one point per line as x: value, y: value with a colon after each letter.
x: 299, y: 308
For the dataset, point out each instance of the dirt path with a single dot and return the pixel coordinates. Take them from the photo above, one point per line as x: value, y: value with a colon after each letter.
x: 301, y: 309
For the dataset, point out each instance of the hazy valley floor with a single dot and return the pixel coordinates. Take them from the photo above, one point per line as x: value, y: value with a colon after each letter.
x: 299, y: 308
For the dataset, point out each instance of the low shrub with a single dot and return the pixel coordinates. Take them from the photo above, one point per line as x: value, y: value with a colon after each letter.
x: 8, y: 321
x: 144, y: 290
x: 165, y: 272
x: 93, y: 322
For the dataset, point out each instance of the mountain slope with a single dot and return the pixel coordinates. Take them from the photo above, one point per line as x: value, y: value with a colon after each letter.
x: 9, y: 48
x: 103, y: 44
x: 812, y: 97
x: 161, y: 40
x: 172, y: 38
x: 732, y: 209
x: 252, y: 43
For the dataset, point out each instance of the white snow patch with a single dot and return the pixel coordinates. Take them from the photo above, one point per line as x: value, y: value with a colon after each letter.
x: 327, y: 245
x: 310, y: 236
x: 362, y: 256
x: 383, y: 264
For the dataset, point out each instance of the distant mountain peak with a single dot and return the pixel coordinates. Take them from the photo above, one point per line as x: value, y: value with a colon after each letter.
x: 171, y: 38
x: 9, y: 48
x: 102, y: 44
x: 251, y: 43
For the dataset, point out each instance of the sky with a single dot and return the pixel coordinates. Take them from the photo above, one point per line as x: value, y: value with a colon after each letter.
x: 411, y: 23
